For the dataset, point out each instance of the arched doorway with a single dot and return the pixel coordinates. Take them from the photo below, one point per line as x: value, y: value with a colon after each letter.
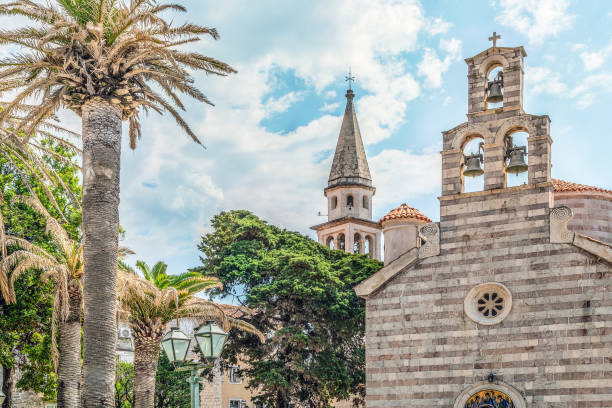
x: 487, y: 394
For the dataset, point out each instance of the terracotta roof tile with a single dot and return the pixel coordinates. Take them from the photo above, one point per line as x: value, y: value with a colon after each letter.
x: 563, y: 186
x: 404, y: 212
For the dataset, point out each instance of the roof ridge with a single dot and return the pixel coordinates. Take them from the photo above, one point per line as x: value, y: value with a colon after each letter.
x: 404, y: 211
x: 565, y: 186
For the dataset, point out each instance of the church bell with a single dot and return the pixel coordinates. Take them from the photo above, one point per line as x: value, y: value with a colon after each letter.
x: 517, y: 163
x: 473, y: 168
x: 495, y: 94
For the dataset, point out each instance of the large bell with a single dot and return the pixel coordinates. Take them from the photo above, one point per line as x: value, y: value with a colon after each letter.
x: 495, y: 92
x: 517, y: 161
x: 473, y: 168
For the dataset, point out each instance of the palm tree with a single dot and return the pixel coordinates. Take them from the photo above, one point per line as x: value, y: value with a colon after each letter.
x: 66, y: 271
x: 150, y: 303
x: 105, y: 60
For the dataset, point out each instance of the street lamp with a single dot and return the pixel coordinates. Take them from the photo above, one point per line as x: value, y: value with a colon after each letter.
x: 211, y: 339
x: 175, y: 343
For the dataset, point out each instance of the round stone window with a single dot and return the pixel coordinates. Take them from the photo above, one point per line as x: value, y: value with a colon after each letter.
x: 488, y: 303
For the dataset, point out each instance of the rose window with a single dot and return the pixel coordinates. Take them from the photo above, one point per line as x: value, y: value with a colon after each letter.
x: 488, y: 303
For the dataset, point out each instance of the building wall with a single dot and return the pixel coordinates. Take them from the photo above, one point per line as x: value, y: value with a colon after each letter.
x: 342, y: 210
x: 555, y: 346
x: 592, y: 213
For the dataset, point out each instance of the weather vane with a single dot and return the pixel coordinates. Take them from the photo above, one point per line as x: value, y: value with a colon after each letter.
x: 349, y: 78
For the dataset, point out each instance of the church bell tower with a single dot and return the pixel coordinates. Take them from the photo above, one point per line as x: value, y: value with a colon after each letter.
x: 349, y: 193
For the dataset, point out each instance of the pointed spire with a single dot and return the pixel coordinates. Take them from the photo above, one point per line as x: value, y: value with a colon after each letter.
x: 350, y: 165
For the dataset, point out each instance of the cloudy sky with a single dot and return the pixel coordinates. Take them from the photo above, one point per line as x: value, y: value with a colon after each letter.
x: 271, y: 135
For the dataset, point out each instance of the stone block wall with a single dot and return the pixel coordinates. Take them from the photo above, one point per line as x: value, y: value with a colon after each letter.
x: 592, y: 213
x: 554, y: 347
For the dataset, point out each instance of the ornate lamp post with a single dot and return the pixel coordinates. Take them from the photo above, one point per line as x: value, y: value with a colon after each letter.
x: 210, y: 338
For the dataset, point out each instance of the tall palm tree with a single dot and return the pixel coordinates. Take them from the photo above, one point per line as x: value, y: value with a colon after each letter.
x: 150, y: 303
x: 105, y: 60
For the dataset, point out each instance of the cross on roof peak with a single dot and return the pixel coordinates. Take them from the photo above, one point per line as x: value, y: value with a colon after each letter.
x: 494, y: 38
x: 349, y: 78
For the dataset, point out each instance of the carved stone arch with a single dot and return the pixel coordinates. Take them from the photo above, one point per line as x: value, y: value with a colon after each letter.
x: 513, y: 393
x: 469, y: 132
x: 514, y: 124
x: 496, y: 59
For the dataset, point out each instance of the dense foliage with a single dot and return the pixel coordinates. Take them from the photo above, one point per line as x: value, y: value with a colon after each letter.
x: 171, y: 386
x: 25, y: 341
x: 124, y: 385
x: 301, y: 295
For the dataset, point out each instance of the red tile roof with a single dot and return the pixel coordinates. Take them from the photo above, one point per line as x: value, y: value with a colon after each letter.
x: 563, y: 186
x: 404, y: 212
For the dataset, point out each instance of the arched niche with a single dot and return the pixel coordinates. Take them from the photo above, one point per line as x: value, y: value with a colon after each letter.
x: 330, y: 242
x: 341, y: 244
x: 491, y: 62
x: 349, y: 201
x: 469, y: 132
x: 514, y: 124
x: 493, y: 76
x: 357, y: 244
x: 367, y: 246
x: 517, y: 399
x: 471, y: 146
x: 516, y: 137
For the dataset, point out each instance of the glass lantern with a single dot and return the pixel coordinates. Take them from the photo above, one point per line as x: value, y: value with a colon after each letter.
x: 211, y: 339
x: 176, y: 344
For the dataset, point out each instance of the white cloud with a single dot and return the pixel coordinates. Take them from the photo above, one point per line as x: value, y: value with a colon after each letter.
x: 538, y: 19
x: 279, y: 175
x: 542, y: 80
x: 330, y: 107
x: 590, y: 87
x: 431, y: 67
x: 596, y: 59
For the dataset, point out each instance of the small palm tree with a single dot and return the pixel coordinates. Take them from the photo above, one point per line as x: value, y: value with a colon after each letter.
x: 108, y: 61
x: 66, y: 271
x: 150, y: 303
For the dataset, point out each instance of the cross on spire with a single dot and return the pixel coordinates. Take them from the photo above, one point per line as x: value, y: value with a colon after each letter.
x: 494, y: 38
x: 349, y: 78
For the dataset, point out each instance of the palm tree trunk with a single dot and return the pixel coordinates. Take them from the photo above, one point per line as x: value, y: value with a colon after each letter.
x: 146, y: 356
x: 8, y: 386
x: 101, y: 162
x: 69, y: 368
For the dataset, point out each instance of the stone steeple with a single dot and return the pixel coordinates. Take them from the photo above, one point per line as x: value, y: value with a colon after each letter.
x: 350, y: 165
x: 349, y: 193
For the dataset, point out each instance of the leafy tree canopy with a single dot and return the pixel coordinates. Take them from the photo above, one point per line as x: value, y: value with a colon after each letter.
x: 171, y: 386
x: 301, y: 295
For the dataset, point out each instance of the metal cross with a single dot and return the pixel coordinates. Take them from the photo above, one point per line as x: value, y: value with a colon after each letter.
x: 494, y: 38
x: 349, y: 78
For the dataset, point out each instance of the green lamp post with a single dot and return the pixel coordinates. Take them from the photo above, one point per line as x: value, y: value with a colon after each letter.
x: 210, y: 338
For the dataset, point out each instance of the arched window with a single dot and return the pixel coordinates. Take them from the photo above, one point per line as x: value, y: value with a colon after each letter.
x: 494, y: 88
x: 366, y: 203
x: 357, y: 244
x: 349, y: 201
x: 516, y: 174
x: 334, y: 202
x: 473, y: 165
x: 330, y: 242
x: 489, y: 399
x: 341, y: 244
x: 367, y: 246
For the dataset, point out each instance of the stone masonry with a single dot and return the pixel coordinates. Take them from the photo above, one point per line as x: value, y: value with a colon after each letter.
x: 554, y: 347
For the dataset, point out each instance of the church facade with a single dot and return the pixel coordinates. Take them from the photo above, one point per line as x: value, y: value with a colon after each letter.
x: 506, y: 301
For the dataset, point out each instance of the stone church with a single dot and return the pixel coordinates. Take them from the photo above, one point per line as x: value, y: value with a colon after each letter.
x: 506, y: 301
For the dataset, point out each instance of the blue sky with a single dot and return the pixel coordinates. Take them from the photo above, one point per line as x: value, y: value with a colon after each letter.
x: 271, y: 135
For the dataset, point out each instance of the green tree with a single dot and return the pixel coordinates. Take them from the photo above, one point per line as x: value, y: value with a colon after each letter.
x: 124, y: 385
x: 301, y: 295
x: 150, y: 303
x: 171, y: 387
x: 107, y: 61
